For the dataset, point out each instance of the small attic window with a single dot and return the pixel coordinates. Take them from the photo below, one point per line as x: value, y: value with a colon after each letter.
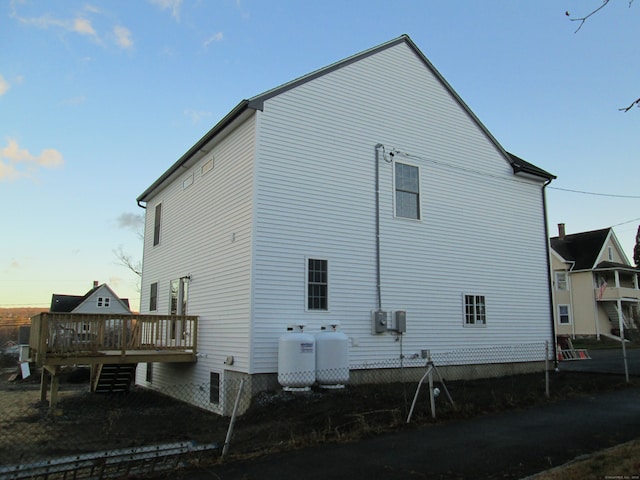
x: 103, y: 302
x: 207, y: 166
x: 187, y: 182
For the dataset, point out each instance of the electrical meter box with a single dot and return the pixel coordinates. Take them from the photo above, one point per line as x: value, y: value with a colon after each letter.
x: 378, y: 321
x: 400, y: 321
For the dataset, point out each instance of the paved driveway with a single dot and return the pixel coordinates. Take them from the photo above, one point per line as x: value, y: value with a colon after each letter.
x: 605, y: 361
x: 511, y: 445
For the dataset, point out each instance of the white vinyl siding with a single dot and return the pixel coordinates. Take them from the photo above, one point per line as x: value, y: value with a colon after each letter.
x: 207, y: 235
x: 315, y: 190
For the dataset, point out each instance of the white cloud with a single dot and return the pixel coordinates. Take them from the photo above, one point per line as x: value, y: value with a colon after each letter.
x: 16, y: 162
x: 173, y: 5
x: 131, y: 221
x: 216, y: 37
x: 83, y: 27
x: 4, y: 86
x: 80, y: 24
x: 123, y: 37
x: 196, y: 116
x: 75, y: 100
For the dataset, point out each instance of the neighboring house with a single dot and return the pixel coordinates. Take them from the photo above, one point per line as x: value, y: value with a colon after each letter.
x: 100, y: 299
x: 366, y: 186
x: 595, y: 286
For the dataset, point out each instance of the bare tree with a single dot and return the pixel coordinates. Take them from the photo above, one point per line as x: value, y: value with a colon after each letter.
x: 127, y: 261
x: 582, y: 20
x: 134, y: 223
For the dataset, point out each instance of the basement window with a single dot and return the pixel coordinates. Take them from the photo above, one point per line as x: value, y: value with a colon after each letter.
x: 475, y: 310
x: 214, y: 389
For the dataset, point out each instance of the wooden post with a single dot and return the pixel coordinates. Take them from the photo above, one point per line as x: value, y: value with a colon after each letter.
x: 54, y: 392
x: 44, y: 381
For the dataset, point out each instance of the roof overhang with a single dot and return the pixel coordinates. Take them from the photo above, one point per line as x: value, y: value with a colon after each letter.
x: 202, y: 147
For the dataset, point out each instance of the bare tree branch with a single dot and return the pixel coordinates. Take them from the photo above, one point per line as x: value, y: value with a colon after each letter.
x: 584, y: 19
x: 626, y: 109
x: 125, y: 260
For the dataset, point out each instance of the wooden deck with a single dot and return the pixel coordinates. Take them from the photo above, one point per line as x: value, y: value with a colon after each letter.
x: 69, y: 339
x: 59, y: 339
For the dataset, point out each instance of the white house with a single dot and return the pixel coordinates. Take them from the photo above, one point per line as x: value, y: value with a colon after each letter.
x: 100, y: 299
x: 367, y: 185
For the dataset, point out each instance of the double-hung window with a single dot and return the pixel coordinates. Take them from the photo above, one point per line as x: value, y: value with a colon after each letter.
x: 156, y: 224
x: 407, y: 190
x: 317, y: 284
x: 475, y: 310
x: 564, y: 315
x: 561, y: 280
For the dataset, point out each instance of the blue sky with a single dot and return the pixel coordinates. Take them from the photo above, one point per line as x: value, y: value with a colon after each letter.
x: 99, y: 98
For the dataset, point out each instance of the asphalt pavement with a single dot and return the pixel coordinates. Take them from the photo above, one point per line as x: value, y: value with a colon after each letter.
x: 509, y: 445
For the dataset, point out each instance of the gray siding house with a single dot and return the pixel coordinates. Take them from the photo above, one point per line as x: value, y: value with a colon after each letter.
x: 366, y: 185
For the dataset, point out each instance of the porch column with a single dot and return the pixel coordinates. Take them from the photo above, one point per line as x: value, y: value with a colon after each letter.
x: 616, y: 275
x: 635, y: 281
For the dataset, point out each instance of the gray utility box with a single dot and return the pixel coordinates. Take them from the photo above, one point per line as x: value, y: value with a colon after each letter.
x: 378, y: 321
x: 400, y: 321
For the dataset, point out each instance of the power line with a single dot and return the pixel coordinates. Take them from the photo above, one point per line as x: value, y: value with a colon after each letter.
x: 594, y: 193
x: 624, y: 223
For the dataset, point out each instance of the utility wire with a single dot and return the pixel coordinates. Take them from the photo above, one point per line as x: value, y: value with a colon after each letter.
x: 615, y: 195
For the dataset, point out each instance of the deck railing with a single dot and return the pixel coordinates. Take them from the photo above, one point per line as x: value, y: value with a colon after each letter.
x: 75, y: 334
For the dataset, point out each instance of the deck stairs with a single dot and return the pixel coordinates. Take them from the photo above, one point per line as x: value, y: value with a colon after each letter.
x: 614, y: 315
x: 113, y: 378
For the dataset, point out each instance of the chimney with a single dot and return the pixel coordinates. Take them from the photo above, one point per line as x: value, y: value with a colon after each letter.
x: 95, y: 284
x: 561, y: 232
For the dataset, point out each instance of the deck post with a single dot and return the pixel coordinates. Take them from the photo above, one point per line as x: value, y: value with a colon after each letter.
x: 44, y: 382
x: 55, y: 380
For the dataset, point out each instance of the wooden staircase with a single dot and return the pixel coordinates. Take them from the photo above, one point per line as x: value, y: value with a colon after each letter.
x: 112, y: 378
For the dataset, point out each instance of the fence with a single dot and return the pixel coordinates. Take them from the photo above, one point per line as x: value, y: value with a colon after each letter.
x: 91, y: 433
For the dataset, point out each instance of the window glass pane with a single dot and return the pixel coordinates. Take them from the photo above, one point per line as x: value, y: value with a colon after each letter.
x: 153, y: 297
x: 317, y: 284
x: 156, y: 225
x: 407, y: 183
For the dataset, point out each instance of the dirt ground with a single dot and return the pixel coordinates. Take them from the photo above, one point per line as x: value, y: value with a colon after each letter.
x: 276, y: 421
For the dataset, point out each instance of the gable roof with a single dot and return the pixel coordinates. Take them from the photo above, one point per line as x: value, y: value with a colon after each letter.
x: 68, y: 303
x: 581, y: 248
x: 246, y: 107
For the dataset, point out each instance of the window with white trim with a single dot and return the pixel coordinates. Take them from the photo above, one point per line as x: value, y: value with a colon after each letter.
x: 317, y: 284
x: 561, y: 281
x: 407, y: 190
x: 103, y: 302
x: 153, y: 297
x: 156, y: 224
x: 475, y: 310
x: 564, y: 314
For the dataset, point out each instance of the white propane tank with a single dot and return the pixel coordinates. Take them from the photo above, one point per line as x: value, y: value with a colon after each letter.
x: 332, y: 357
x: 296, y: 359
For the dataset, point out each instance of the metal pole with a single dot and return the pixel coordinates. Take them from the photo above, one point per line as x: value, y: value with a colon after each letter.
x: 431, y: 397
x: 546, y: 368
x: 624, y: 347
x: 227, y: 441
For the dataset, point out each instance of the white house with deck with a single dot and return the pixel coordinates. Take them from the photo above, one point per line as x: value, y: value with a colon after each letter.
x: 366, y: 186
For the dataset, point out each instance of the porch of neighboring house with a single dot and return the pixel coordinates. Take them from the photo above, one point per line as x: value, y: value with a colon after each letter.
x: 620, y: 300
x: 112, y: 345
